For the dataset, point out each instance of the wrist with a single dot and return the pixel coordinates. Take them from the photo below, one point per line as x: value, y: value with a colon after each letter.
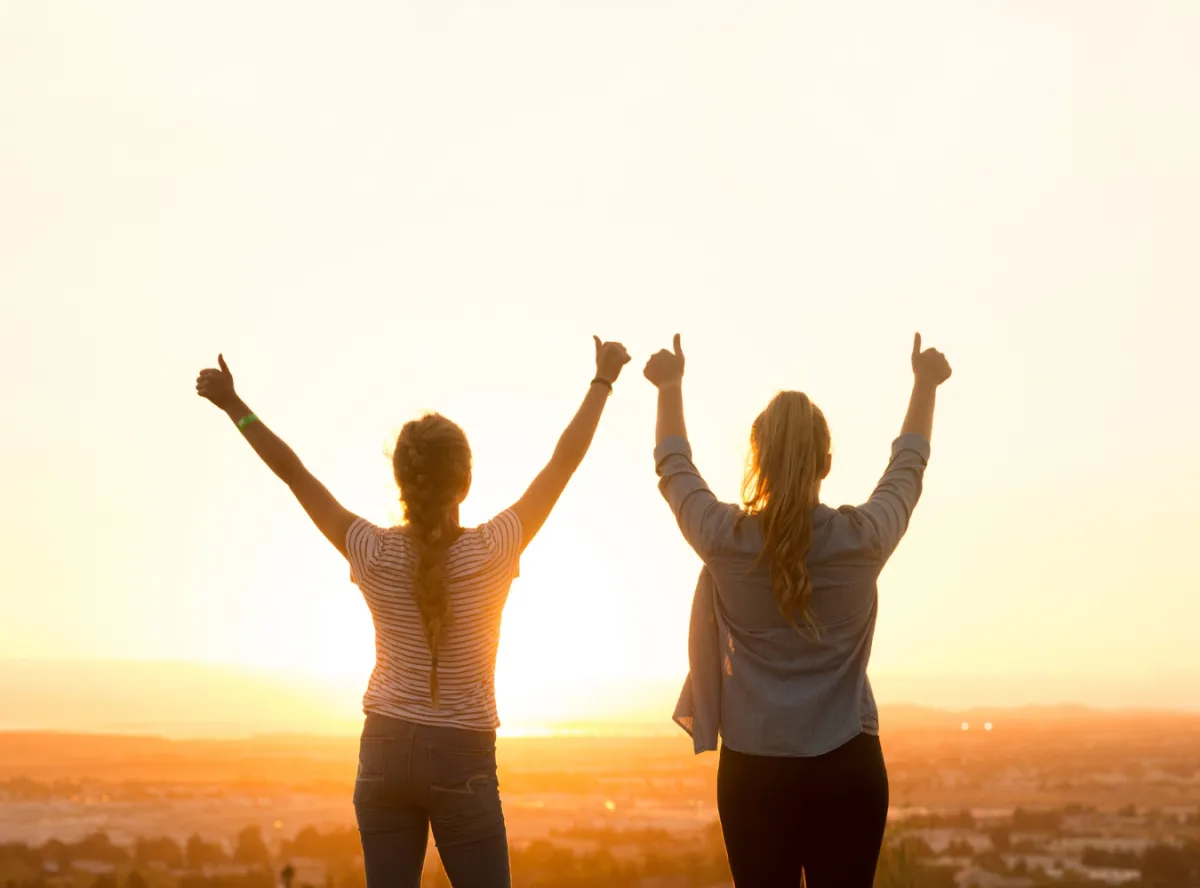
x: 236, y: 409
x: 601, y: 382
x: 671, y: 385
x: 924, y: 387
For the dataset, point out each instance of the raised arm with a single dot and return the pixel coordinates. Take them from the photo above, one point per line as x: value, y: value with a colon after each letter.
x: 534, y: 507
x: 891, y: 505
x: 331, y: 518
x: 930, y: 370
x: 702, y: 518
x: 665, y: 371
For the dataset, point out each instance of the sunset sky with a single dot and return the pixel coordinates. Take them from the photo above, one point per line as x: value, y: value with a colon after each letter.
x: 376, y: 209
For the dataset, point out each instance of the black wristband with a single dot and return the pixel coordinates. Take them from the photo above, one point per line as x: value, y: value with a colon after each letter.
x: 603, y: 382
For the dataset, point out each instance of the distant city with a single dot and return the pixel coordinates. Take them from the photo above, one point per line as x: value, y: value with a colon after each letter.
x: 1021, y: 798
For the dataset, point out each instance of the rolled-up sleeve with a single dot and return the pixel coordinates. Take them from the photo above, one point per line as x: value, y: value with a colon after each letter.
x: 890, y: 507
x: 704, y: 520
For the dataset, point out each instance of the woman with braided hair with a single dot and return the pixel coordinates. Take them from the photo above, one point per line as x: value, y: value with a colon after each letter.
x: 436, y: 591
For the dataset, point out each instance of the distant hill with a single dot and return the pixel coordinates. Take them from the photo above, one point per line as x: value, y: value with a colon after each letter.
x: 913, y: 736
x: 207, y: 700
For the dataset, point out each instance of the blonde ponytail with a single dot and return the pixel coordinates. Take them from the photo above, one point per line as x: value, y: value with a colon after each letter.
x: 789, y: 449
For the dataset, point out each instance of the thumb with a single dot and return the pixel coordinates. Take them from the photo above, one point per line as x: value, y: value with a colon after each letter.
x: 221, y: 362
x: 678, y: 347
x: 598, y: 344
x: 916, y: 344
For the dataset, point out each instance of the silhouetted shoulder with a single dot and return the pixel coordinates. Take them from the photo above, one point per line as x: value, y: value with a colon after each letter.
x: 502, y: 538
x: 371, y: 549
x: 847, y: 534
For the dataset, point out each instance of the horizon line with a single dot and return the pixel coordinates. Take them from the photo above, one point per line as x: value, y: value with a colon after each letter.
x: 624, y: 729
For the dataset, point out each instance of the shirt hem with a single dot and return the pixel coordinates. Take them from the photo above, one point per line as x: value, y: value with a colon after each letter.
x: 430, y: 722
x: 825, y: 751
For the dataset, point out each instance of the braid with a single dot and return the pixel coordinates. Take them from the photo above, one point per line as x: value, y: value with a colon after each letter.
x: 433, y: 468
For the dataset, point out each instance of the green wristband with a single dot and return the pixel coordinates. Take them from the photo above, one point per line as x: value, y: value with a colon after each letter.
x: 246, y: 420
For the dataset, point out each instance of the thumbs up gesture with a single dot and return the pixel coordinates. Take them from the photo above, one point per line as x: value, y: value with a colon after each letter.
x: 930, y: 366
x: 666, y: 367
x: 217, y: 385
x: 610, y: 358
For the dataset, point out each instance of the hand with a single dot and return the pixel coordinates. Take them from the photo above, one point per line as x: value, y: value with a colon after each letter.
x: 217, y: 385
x: 610, y: 358
x: 665, y: 367
x: 930, y: 366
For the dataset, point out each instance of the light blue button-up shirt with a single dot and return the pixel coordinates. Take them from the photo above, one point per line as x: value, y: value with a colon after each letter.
x: 767, y: 688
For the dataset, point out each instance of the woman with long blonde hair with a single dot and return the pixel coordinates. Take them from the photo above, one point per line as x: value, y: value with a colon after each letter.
x: 782, y: 624
x: 436, y: 591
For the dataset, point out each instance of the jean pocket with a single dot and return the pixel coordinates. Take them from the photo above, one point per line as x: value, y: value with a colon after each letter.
x: 371, y: 780
x: 462, y: 772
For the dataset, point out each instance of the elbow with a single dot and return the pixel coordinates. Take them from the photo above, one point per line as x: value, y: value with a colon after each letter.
x: 290, y: 470
x: 567, y: 458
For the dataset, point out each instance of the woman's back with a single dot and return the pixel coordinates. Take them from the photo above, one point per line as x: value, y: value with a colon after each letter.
x: 436, y: 591
x: 782, y: 623
x: 788, y: 690
x: 842, y: 566
x: 479, y: 567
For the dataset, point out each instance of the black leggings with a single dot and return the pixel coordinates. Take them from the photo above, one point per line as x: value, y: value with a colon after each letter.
x: 823, y: 816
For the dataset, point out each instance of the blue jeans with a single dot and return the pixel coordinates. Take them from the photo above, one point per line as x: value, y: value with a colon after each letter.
x: 411, y: 777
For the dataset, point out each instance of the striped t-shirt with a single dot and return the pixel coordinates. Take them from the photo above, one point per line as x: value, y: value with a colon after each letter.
x: 480, y: 567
